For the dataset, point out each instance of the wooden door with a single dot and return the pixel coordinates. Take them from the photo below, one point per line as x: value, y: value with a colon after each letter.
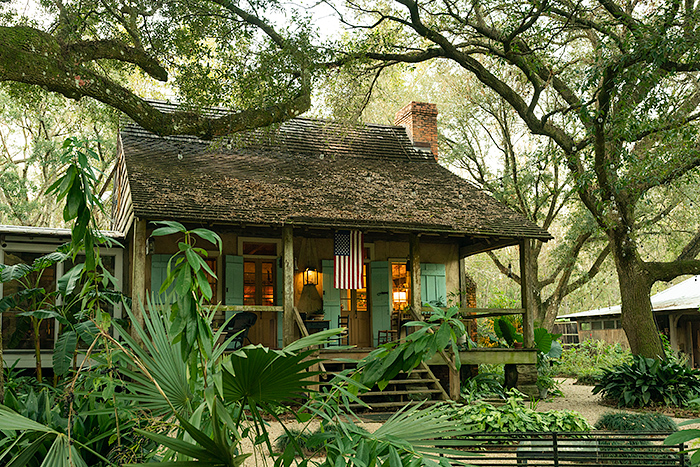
x: 354, y: 304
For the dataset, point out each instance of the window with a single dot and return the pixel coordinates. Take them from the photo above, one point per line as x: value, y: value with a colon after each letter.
x: 585, y: 325
x: 597, y: 325
x: 609, y: 324
x: 355, y: 300
x: 16, y: 330
x: 259, y: 279
x: 400, y: 288
x: 260, y: 256
x: 259, y: 249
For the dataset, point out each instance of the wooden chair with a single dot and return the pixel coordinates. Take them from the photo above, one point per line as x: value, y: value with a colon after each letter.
x: 240, y: 325
x: 344, y: 322
x: 385, y: 336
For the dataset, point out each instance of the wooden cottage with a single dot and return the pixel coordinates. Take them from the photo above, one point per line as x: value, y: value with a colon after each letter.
x: 279, y: 196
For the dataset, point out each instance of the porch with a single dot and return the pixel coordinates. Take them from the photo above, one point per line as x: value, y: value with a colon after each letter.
x: 440, y: 371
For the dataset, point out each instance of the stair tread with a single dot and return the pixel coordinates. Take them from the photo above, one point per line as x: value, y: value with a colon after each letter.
x: 413, y: 381
x: 397, y: 393
x: 394, y: 404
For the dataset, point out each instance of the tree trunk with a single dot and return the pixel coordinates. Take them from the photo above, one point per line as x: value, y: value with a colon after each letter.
x: 637, y: 316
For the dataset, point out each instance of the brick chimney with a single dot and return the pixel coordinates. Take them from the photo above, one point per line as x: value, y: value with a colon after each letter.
x: 420, y: 121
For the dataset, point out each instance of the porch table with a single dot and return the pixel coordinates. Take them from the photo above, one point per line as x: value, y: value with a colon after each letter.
x: 316, y: 325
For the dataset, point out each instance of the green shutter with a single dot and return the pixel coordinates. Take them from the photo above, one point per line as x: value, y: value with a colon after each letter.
x: 159, y: 268
x: 380, y: 272
x: 433, y: 285
x: 233, y: 276
x: 234, y: 280
x: 331, y: 295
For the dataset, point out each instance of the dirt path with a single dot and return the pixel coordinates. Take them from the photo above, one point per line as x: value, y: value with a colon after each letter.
x: 582, y: 400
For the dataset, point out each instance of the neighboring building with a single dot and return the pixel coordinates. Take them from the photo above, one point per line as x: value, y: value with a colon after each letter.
x: 675, y: 311
x: 21, y: 244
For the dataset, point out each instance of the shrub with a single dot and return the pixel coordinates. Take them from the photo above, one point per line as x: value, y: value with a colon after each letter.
x: 587, y: 360
x: 646, y: 382
x: 635, y: 422
x: 512, y: 417
x: 482, y: 386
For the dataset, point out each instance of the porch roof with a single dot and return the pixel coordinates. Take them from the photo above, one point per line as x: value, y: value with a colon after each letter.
x: 310, y: 173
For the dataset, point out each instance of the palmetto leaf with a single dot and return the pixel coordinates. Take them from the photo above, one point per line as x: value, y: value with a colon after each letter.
x: 266, y: 376
x: 163, y: 362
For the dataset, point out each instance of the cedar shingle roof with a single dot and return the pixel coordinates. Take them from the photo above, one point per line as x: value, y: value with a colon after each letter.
x: 310, y: 173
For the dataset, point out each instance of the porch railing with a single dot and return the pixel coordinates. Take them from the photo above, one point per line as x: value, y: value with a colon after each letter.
x: 472, y: 313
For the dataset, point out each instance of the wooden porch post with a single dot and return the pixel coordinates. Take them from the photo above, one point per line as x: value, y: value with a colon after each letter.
x: 138, y: 272
x: 414, y: 257
x: 528, y: 301
x: 288, y: 267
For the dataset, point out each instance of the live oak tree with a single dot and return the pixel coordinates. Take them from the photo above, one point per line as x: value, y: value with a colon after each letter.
x: 33, y: 127
x: 482, y: 136
x: 209, y: 52
x: 612, y: 84
x: 485, y: 139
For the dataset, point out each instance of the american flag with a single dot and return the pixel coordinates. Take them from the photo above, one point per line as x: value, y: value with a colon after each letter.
x: 348, y: 256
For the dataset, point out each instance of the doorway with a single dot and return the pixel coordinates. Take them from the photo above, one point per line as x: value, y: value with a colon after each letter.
x: 354, y: 305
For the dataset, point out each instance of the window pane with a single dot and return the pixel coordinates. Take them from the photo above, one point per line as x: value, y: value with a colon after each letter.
x: 585, y: 326
x: 609, y: 324
x: 249, y: 285
x: 260, y: 248
x: 597, y: 325
x: 400, y: 286
x: 17, y: 330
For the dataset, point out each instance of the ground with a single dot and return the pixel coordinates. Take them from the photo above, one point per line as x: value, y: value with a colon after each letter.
x: 576, y: 397
x: 581, y: 399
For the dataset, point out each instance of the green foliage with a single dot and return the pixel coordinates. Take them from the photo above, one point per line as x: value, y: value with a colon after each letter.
x: 586, y: 361
x: 34, y: 125
x: 187, y: 271
x: 442, y: 330
x: 647, y: 381
x: 482, y: 386
x: 505, y: 330
x: 513, y: 417
x: 36, y: 424
x: 689, y: 436
x: 615, y: 421
x: 78, y: 186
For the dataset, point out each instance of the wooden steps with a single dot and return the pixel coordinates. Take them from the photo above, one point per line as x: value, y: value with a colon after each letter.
x: 418, y: 386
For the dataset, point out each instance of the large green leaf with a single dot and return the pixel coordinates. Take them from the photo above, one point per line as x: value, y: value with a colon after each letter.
x: 63, y: 454
x: 163, y: 362
x: 63, y: 352
x: 14, y: 272
x: 171, y: 227
x: 15, y: 300
x: 11, y: 420
x: 264, y: 376
x: 67, y: 282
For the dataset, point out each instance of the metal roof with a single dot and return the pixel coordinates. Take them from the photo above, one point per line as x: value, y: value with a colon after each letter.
x: 682, y: 296
x: 29, y: 231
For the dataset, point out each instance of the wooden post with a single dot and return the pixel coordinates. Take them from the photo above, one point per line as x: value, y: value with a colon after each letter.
x: 138, y: 272
x: 414, y: 257
x: 528, y: 301
x: 288, y: 268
